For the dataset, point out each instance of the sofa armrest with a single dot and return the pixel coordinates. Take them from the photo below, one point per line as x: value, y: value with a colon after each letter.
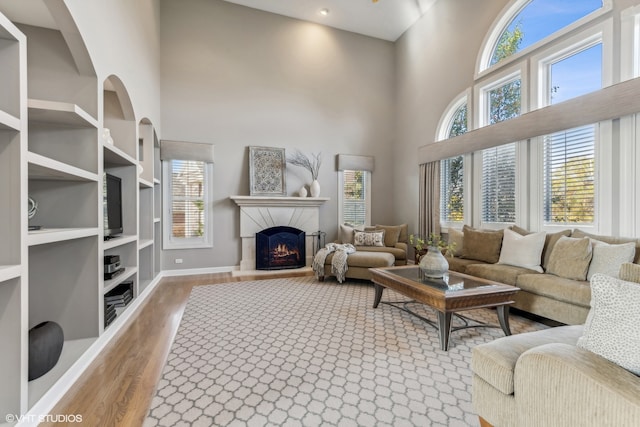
x: 402, y: 246
x: 561, y: 384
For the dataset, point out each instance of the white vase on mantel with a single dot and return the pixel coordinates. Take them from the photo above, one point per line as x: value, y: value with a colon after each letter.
x: 302, y: 192
x: 315, y: 188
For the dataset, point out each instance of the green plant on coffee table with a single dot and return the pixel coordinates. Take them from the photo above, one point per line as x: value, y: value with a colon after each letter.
x: 420, y: 244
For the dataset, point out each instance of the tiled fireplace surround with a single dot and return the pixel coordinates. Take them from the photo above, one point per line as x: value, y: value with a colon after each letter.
x: 259, y: 212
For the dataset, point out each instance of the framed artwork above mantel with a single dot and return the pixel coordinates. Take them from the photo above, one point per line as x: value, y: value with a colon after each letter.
x: 267, y: 171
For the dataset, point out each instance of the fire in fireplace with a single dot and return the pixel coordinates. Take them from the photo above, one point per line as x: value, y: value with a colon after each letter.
x: 280, y: 248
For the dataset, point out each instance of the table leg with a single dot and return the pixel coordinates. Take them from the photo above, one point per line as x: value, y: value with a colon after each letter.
x: 503, y: 318
x: 444, y: 329
x: 378, y: 296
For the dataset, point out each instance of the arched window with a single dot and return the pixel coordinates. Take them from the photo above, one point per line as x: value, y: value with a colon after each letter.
x: 452, y: 169
x: 527, y: 22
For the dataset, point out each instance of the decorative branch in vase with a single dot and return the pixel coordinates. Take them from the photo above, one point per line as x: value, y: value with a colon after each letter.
x: 429, y: 254
x: 312, y: 165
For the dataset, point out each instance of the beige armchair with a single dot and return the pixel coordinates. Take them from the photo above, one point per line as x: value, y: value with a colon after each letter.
x: 542, y: 379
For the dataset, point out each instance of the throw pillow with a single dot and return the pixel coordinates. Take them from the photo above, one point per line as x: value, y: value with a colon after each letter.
x: 368, y: 238
x: 391, y: 233
x: 522, y: 251
x: 607, y: 258
x: 457, y: 237
x: 611, y: 329
x: 549, y: 242
x: 630, y: 272
x: 482, y: 245
x: 570, y: 258
x: 345, y: 233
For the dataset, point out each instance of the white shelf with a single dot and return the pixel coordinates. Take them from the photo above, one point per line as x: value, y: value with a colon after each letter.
x: 119, y: 241
x: 8, y: 272
x: 144, y: 183
x: 156, y: 181
x: 115, y: 156
x: 60, y: 113
x: 145, y: 243
x: 110, y: 284
x: 9, y: 122
x: 71, y: 351
x: 41, y: 167
x: 156, y: 219
x: 52, y: 235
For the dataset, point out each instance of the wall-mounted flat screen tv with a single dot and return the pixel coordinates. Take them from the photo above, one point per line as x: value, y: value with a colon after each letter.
x: 112, y: 206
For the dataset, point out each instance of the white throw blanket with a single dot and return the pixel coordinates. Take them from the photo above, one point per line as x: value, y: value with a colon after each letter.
x: 339, y: 265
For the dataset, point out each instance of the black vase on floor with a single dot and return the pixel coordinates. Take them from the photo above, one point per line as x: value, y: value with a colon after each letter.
x: 45, y: 346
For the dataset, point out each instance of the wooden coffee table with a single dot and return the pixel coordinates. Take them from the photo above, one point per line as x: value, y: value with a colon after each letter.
x: 453, y: 293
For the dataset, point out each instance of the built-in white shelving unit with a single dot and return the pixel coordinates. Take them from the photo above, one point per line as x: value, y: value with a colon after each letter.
x: 52, y: 151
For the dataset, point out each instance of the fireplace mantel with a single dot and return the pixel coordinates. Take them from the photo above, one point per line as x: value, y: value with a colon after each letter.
x: 260, y: 212
x: 279, y: 201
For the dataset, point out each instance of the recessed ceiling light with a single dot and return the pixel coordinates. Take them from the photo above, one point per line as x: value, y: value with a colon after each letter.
x: 324, y: 12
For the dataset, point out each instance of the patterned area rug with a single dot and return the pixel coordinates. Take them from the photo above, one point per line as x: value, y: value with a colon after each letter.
x: 298, y: 352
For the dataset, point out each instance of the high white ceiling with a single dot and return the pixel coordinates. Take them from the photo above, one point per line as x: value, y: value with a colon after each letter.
x: 384, y: 19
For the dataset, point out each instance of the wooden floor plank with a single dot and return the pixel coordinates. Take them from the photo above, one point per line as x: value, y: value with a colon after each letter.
x: 117, y: 388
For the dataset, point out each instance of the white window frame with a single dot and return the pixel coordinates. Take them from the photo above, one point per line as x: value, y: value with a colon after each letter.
x: 206, y: 240
x: 508, y: 13
x: 442, y: 133
x: 367, y: 178
x: 540, y: 82
x: 481, y: 95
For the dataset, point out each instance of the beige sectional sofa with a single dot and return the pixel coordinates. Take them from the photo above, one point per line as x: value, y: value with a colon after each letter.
x: 391, y: 251
x: 552, y: 296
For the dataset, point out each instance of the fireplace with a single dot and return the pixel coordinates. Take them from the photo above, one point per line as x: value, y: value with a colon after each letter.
x: 280, y: 248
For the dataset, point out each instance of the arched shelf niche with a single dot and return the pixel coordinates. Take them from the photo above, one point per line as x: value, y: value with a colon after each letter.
x: 119, y: 117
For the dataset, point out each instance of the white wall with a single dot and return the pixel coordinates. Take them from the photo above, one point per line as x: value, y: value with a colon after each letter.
x: 237, y: 77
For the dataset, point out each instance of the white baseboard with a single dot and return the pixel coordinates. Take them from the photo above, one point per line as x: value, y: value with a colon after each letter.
x: 194, y: 271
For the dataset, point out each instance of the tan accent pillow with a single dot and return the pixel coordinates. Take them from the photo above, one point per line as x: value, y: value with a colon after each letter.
x: 570, y: 258
x: 404, y: 233
x: 457, y: 237
x: 368, y: 238
x: 630, y: 272
x: 612, y: 240
x: 482, y: 245
x: 345, y: 232
x: 391, y: 233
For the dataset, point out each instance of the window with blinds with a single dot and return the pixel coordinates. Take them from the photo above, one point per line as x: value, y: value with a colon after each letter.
x: 355, y: 197
x: 187, y: 192
x: 452, y: 175
x: 569, y: 176
x: 499, y: 184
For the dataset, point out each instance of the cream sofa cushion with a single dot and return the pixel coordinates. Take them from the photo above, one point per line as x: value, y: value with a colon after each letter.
x: 522, y: 251
x: 607, y: 258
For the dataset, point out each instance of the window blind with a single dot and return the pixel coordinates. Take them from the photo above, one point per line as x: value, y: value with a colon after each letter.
x: 569, y: 175
x: 499, y: 184
x: 354, y: 200
x: 187, y: 198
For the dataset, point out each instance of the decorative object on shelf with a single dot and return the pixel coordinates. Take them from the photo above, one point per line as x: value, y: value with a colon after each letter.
x: 32, y: 207
x: 45, y: 346
x: 303, y: 191
x: 313, y: 166
x: 267, y: 166
x: 315, y: 188
x: 106, y: 136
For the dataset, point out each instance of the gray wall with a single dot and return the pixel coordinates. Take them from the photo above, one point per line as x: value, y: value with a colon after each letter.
x: 237, y: 77
x: 436, y: 60
x: 123, y: 38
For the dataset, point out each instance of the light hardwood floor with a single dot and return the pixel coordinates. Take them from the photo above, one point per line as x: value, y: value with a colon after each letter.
x: 117, y: 388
